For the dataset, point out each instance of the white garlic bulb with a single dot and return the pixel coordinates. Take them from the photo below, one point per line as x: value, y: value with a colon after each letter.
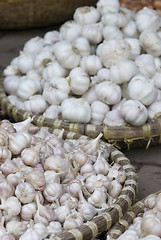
x: 79, y: 81
x: 86, y: 15
x: 93, y: 32
x: 66, y: 54
x: 52, y: 112
x: 111, y: 32
x: 147, y: 19
x: 154, y: 109
x: 91, y: 64
x: 76, y: 110
x: 113, y: 51
x: 134, y: 112
x: 56, y: 91
x: 114, y: 118
x: 11, y: 83
x: 98, y: 112
x: 108, y: 92
x: 105, y: 6
x: 142, y: 88
x: 146, y: 64
x: 25, y: 192
x: 36, y: 104
x: 82, y: 45
x: 70, y: 31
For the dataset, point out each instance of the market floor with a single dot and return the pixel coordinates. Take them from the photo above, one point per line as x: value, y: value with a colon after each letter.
x: 147, y: 162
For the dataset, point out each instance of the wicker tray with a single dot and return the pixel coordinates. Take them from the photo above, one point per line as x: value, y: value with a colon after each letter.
x: 121, y: 137
x: 123, y: 224
x: 23, y: 14
x: 110, y: 216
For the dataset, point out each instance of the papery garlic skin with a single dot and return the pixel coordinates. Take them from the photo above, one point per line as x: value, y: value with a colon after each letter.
x: 11, y: 83
x: 98, y: 112
x: 79, y: 81
x: 114, y: 118
x: 147, y: 19
x: 135, y: 47
x: 93, y: 32
x: 52, y: 112
x: 91, y: 64
x: 66, y: 54
x: 142, y: 89
x: 56, y: 91
x: 134, y: 112
x: 25, y: 62
x: 105, y: 6
x: 76, y: 110
x: 70, y: 31
x: 146, y: 64
x: 154, y: 109
x: 111, y: 32
x: 123, y: 71
x: 108, y: 92
x: 82, y: 45
x: 113, y: 51
x: 36, y: 104
x: 151, y: 42
x: 86, y: 15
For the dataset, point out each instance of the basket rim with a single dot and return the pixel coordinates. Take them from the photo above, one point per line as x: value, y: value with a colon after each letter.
x: 111, y: 215
x: 127, y: 134
x: 124, y: 222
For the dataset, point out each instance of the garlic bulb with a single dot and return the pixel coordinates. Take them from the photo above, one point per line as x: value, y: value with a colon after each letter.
x: 52, y: 112
x: 135, y: 47
x: 147, y: 19
x: 35, y: 104
x: 25, y: 192
x: 53, y: 69
x: 108, y: 92
x: 130, y: 30
x: 113, y: 51
x: 16, y: 228
x: 15, y: 101
x: 146, y: 64
x: 123, y: 71
x: 31, y: 156
x: 93, y: 32
x: 90, y: 95
x: 114, y: 118
x: 142, y: 89
x: 154, y: 109
x: 27, y: 211
x: 70, y: 31
x: 18, y: 141
x: 51, y: 37
x: 66, y: 54
x: 98, y: 112
x: 134, y: 112
x: 56, y: 91
x: 11, y: 83
x: 11, y: 206
x: 34, y: 45
x: 82, y: 45
x: 91, y: 64
x: 151, y: 42
x: 105, y: 6
x: 79, y: 81
x: 111, y: 32
x: 115, y: 19
x: 86, y: 15
x: 73, y: 220
x: 76, y: 110
x: 25, y: 62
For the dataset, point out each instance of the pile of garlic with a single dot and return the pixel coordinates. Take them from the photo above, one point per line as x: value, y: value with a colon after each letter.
x: 147, y: 226
x: 101, y: 67
x: 49, y: 185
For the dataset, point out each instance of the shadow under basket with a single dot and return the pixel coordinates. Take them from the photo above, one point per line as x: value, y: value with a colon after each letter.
x: 121, y: 137
x: 102, y: 222
x: 23, y: 14
x: 122, y: 225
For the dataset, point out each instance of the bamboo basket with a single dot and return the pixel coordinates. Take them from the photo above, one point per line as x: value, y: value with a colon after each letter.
x: 23, y: 14
x: 121, y: 137
x: 103, y: 222
x: 122, y: 225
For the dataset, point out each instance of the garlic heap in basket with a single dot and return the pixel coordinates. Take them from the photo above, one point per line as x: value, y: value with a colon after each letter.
x: 49, y: 185
x: 147, y: 226
x: 101, y: 67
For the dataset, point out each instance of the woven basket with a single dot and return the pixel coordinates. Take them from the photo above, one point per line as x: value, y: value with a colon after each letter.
x: 23, y: 14
x: 121, y: 137
x: 123, y: 224
x: 110, y: 216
